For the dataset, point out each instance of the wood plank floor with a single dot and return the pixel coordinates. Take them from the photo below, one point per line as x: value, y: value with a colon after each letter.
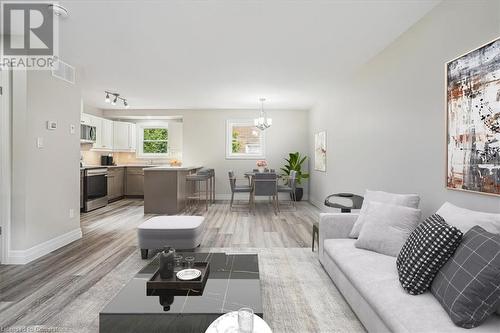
x: 32, y: 295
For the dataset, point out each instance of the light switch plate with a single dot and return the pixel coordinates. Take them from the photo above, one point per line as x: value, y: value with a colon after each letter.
x: 39, y: 142
x: 72, y: 129
x: 51, y: 125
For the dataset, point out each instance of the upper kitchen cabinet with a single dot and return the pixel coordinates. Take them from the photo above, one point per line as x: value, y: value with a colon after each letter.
x: 132, y: 137
x: 104, y: 131
x: 107, y: 134
x: 85, y: 119
x: 111, y: 135
x: 124, y: 136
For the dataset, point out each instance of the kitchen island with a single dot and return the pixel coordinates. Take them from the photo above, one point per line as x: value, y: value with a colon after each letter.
x: 166, y: 190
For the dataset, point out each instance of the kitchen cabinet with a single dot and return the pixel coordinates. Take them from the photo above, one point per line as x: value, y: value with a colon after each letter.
x: 132, y: 137
x: 116, y: 183
x: 123, y: 136
x: 134, y: 181
x: 85, y: 119
x: 107, y: 134
x: 111, y: 135
x: 104, y: 131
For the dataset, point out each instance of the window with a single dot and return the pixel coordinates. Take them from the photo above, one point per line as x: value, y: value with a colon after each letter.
x: 244, y: 140
x: 153, y: 141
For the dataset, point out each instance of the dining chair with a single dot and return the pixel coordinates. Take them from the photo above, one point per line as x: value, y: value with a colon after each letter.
x: 266, y: 184
x: 289, y: 187
x: 239, y: 189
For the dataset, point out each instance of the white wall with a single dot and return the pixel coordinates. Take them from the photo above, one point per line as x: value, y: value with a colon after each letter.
x: 386, y: 125
x: 45, y: 180
x: 204, y: 137
x: 91, y: 110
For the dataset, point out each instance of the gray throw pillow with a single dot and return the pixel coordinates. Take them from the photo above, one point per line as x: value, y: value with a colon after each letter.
x: 468, y: 285
x: 386, y: 228
x: 407, y: 200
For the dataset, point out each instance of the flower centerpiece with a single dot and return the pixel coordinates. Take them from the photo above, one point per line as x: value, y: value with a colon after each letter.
x: 175, y: 162
x: 261, y: 165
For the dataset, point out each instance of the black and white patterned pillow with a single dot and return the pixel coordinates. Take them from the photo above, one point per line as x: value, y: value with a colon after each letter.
x: 425, y: 251
x: 468, y: 285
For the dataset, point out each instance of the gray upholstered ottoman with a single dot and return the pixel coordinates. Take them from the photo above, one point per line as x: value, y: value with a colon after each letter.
x: 179, y: 232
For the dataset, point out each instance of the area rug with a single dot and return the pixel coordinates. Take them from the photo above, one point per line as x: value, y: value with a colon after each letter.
x: 298, y: 295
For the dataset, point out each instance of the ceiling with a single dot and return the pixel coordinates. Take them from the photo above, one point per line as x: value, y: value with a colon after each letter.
x: 225, y: 54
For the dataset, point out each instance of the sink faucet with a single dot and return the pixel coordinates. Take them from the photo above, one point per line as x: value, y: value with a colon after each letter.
x: 150, y: 162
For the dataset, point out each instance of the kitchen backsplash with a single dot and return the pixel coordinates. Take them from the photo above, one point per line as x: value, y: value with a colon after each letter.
x: 131, y: 158
x: 94, y: 158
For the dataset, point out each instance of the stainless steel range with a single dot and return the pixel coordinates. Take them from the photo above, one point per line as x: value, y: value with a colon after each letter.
x: 95, y: 193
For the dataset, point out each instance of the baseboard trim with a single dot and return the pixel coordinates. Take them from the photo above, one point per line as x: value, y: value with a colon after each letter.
x: 22, y: 257
x: 317, y: 204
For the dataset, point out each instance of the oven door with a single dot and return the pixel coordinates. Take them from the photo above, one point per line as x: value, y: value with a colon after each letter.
x: 96, y: 184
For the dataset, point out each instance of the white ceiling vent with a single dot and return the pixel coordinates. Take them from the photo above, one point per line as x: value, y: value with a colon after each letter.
x: 63, y: 71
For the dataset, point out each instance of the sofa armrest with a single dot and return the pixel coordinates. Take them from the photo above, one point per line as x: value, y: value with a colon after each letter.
x: 335, y: 225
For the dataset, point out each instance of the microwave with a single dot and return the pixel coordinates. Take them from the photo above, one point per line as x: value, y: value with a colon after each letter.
x: 87, y: 134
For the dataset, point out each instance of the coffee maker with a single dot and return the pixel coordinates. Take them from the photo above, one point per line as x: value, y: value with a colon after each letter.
x: 107, y: 159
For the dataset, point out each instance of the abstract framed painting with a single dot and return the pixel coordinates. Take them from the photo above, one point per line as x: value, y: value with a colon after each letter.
x: 473, y: 120
x: 320, y: 151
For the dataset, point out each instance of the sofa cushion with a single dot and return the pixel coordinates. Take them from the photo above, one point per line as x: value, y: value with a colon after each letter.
x: 375, y: 276
x: 468, y: 286
x: 387, y: 227
x: 407, y: 200
x: 427, y: 249
x: 464, y: 219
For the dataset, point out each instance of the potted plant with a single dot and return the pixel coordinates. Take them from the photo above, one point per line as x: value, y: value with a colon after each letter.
x: 294, y: 163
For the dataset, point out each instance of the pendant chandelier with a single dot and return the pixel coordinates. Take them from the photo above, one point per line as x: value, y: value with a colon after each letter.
x: 262, y: 122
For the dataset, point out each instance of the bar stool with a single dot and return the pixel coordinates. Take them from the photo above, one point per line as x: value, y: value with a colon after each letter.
x: 211, y: 173
x: 196, y: 180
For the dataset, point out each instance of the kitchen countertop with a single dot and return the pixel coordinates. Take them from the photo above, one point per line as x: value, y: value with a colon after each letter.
x: 172, y: 168
x: 123, y: 166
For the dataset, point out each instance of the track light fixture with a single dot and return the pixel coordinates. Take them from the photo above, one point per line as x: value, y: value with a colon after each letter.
x: 116, y: 97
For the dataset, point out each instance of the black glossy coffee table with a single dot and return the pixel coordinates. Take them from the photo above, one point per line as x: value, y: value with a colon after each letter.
x: 233, y: 283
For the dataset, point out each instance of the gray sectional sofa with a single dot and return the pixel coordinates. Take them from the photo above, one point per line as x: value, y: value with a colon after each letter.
x: 369, y: 282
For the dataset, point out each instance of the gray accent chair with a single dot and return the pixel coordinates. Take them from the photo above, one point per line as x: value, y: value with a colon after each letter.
x: 239, y: 189
x: 266, y: 184
x: 289, y: 187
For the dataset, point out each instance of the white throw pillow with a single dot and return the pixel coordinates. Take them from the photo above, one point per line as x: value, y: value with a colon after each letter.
x: 386, y: 227
x: 464, y: 219
x: 407, y: 200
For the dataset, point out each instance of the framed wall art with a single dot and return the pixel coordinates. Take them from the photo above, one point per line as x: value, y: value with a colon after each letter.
x: 473, y: 120
x: 320, y: 151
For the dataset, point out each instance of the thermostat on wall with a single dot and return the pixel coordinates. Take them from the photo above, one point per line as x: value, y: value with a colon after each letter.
x: 51, y: 125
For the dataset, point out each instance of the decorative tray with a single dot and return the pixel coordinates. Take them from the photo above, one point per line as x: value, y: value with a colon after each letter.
x: 174, y: 284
